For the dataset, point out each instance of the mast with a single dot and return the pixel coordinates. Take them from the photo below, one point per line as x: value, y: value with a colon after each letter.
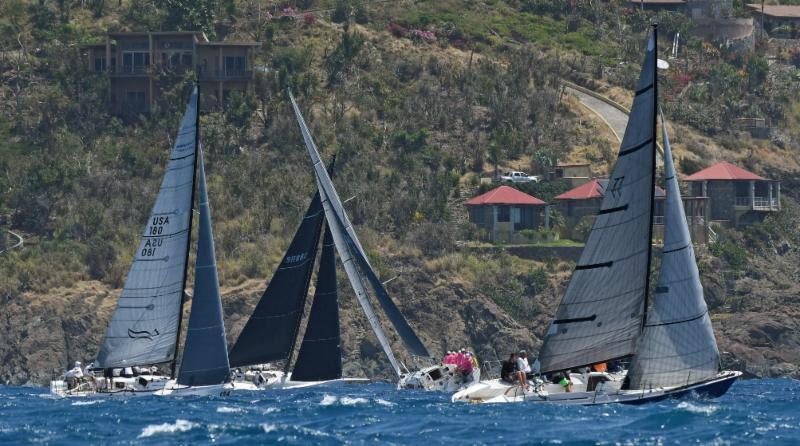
x: 653, y: 176
x: 189, y: 237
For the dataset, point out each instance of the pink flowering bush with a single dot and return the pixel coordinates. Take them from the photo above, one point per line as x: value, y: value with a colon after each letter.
x: 425, y: 36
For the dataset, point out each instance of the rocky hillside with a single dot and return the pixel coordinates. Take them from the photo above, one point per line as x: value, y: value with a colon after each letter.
x: 418, y: 100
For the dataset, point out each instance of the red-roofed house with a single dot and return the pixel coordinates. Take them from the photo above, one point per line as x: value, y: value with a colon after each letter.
x: 737, y: 197
x: 504, y: 211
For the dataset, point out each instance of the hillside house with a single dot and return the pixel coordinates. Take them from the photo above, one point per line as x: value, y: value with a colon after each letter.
x: 576, y: 173
x: 587, y: 199
x: 737, y: 197
x: 504, y: 211
x: 138, y: 62
x: 659, y: 5
x: 778, y: 20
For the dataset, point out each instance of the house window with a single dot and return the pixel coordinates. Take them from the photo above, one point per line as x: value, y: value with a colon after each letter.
x: 99, y: 64
x: 518, y: 223
x: 186, y: 59
x: 135, y: 61
x: 503, y: 214
x: 234, y: 65
x: 135, y: 101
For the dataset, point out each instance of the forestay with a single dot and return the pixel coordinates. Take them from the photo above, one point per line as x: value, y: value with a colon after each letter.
x: 144, y: 327
x: 320, y: 356
x: 601, y: 313
x: 205, y: 354
x: 404, y: 330
x: 678, y: 346
x: 270, y: 333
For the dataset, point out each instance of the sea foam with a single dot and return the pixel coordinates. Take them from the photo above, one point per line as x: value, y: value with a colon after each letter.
x: 167, y: 428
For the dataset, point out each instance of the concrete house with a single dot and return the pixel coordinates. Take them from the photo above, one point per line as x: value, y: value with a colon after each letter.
x: 778, y: 20
x: 576, y: 173
x: 737, y: 197
x: 135, y: 62
x: 503, y: 212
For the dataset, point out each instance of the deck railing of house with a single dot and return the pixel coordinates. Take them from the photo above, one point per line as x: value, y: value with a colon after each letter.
x: 757, y: 202
x: 225, y: 74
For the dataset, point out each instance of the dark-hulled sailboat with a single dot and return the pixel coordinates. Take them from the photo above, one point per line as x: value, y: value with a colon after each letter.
x: 606, y: 313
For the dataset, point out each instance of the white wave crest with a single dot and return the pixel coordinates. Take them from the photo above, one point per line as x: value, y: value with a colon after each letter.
x: 167, y: 428
x: 383, y: 402
x: 347, y: 401
x: 269, y: 427
x: 87, y: 403
x: 327, y: 400
x: 226, y: 409
x: 693, y: 408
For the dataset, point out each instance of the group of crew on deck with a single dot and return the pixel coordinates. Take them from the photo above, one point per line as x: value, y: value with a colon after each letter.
x: 465, y: 361
x: 517, y: 370
x: 78, y: 374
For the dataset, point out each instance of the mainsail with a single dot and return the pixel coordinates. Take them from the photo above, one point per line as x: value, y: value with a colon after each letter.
x: 270, y: 333
x: 601, y: 314
x: 145, y: 325
x: 337, y: 218
x: 205, y: 354
x: 677, y: 346
x: 320, y: 356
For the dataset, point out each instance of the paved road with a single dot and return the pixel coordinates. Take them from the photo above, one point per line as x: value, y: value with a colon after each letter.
x: 615, y: 118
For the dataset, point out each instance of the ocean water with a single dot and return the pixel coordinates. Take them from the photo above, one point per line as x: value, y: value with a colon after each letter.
x: 753, y: 412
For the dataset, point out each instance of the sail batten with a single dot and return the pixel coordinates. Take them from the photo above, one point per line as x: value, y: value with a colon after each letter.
x: 601, y: 314
x: 145, y: 334
x: 205, y: 353
x: 677, y: 346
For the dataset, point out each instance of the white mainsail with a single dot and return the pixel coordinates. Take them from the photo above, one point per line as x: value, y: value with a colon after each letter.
x: 144, y: 327
x: 600, y: 316
x: 677, y: 346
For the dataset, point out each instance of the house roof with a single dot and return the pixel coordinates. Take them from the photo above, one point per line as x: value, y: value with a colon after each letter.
x: 596, y: 189
x: 723, y: 171
x: 505, y: 195
x: 778, y: 11
x: 587, y: 191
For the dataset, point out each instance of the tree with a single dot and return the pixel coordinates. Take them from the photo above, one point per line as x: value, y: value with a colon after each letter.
x: 189, y: 15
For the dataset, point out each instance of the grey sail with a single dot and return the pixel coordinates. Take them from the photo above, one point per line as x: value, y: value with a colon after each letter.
x: 205, y: 353
x: 144, y: 327
x: 600, y: 316
x: 401, y: 325
x: 677, y: 346
x: 338, y: 231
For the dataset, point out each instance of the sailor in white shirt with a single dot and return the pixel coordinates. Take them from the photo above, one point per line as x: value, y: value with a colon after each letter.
x: 522, y: 363
x: 73, y: 375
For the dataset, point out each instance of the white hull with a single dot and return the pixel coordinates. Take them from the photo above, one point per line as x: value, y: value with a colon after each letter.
x: 121, y: 387
x: 438, y: 378
x: 609, y: 394
x: 174, y: 389
x: 271, y: 379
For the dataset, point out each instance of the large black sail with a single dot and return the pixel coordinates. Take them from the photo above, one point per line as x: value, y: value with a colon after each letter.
x: 341, y: 224
x: 144, y: 327
x: 205, y: 354
x: 320, y: 356
x: 270, y: 333
x: 600, y: 316
x: 677, y: 346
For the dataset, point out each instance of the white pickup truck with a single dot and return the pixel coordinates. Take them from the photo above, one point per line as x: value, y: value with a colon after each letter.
x: 518, y: 177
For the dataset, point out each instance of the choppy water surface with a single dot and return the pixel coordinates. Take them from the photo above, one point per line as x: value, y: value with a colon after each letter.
x: 753, y: 412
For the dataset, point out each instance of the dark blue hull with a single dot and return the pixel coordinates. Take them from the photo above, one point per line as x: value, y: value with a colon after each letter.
x: 708, y: 390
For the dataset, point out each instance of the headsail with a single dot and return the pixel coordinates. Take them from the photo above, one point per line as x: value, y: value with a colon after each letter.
x: 404, y: 330
x: 320, y: 356
x: 144, y: 327
x: 677, y: 346
x: 205, y: 354
x: 600, y: 316
x: 270, y: 333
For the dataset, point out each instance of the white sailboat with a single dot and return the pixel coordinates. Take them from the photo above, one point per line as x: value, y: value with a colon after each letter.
x: 606, y: 315
x: 144, y: 330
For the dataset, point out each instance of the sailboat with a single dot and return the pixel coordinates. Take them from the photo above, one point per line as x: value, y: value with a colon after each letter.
x: 271, y: 333
x: 605, y: 315
x: 355, y: 262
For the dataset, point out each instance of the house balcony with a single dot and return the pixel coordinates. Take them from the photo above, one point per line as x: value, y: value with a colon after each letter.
x: 130, y: 71
x: 757, y: 203
x: 226, y: 75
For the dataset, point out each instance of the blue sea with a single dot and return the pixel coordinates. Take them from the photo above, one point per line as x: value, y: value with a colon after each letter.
x: 753, y: 412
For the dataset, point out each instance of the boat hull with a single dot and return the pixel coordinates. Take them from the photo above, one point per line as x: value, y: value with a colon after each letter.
x: 122, y: 387
x: 438, y: 378
x: 708, y: 389
x: 174, y: 389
